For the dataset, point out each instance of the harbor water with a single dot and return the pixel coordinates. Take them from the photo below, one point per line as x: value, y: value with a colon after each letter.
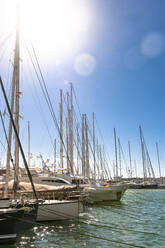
x: 137, y: 221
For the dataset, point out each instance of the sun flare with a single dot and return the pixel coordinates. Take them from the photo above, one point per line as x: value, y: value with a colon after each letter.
x: 54, y: 26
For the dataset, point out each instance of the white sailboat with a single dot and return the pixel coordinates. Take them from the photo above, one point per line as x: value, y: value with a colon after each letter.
x: 51, y: 210
x: 101, y: 193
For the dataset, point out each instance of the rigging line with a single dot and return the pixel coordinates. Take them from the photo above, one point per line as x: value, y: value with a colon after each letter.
x: 39, y: 104
x: 50, y: 108
x: 7, y: 84
x: 3, y: 145
x: 79, y: 123
x: 80, y: 128
x: 118, y: 229
x: 6, y: 38
x: 76, y: 100
x: 92, y: 224
x: 17, y: 136
x: 74, y: 112
x: 75, y: 141
x: 88, y: 234
x: 42, y: 88
x: 149, y: 166
x: 46, y: 94
x: 103, y: 140
x: 116, y: 212
x: 128, y: 207
x: 88, y: 140
x: 4, y: 48
x: 123, y: 210
x: 80, y: 115
x: 83, y: 222
x: 11, y: 158
x: 126, y: 165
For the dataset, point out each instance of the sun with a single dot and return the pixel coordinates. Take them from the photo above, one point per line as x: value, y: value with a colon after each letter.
x: 54, y: 26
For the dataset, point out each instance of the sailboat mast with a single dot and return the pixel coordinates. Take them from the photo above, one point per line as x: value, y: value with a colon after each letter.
x: 87, y: 149
x: 83, y: 147
x: 116, y: 165
x: 29, y: 155
x: 61, y: 130
x: 101, y: 163
x: 15, y: 78
x: 130, y: 159
x: 143, y: 153
x: 157, y: 149
x: 17, y: 85
x: 78, y: 153
x: 54, y: 155
x: 68, y: 133
x: 119, y: 156
x: 67, y: 146
x: 17, y: 137
x: 71, y: 126
x: 94, y: 146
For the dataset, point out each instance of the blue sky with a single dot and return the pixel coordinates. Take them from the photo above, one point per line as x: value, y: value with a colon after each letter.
x: 125, y: 42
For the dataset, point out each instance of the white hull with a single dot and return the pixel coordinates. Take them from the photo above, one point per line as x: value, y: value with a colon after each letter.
x: 59, y: 210
x: 99, y: 194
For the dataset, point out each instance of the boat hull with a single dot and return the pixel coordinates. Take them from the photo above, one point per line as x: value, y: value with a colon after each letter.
x: 8, y: 223
x: 99, y: 194
x: 52, y: 210
x: 28, y: 218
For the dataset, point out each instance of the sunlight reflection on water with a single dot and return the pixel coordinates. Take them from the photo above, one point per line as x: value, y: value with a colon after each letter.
x: 138, y: 220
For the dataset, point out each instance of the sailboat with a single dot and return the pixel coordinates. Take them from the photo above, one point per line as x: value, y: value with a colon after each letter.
x: 16, y: 216
x: 48, y: 209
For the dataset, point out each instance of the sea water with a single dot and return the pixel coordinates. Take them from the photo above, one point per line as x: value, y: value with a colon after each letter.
x: 137, y: 221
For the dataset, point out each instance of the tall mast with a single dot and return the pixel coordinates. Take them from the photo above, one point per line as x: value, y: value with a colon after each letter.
x: 68, y: 133
x: 61, y: 130
x: 119, y: 155
x: 15, y: 78
x: 157, y: 149
x: 67, y: 146
x: 29, y: 154
x: 83, y: 147
x: 17, y: 83
x: 143, y: 153
x: 97, y: 154
x: 130, y: 159
x: 71, y: 126
x: 87, y: 149
x: 104, y: 163
x: 94, y: 146
x: 116, y: 164
x: 54, y: 155
x: 17, y: 137
x: 101, y: 163
x: 78, y: 153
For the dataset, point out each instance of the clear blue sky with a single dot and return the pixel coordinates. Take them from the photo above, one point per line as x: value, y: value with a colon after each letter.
x: 125, y: 86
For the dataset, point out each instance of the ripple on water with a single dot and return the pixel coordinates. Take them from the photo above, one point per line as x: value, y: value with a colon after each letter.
x: 142, y: 211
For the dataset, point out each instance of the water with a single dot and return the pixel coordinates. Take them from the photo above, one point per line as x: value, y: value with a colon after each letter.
x: 138, y: 220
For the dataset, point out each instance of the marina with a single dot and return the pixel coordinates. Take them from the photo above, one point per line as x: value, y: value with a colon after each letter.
x: 68, y: 176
